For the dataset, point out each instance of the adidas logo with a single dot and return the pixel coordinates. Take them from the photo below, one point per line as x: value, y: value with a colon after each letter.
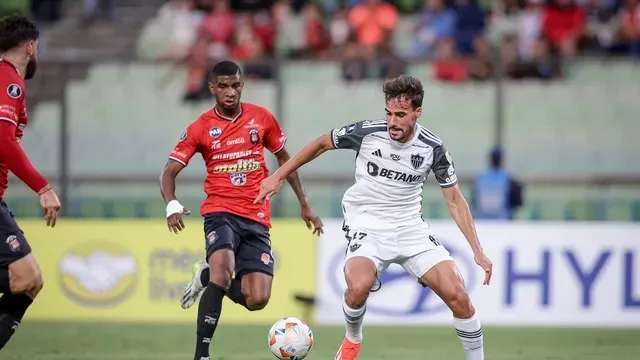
x: 377, y: 153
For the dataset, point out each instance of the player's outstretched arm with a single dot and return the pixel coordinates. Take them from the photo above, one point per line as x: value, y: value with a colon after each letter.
x: 309, y: 216
x: 271, y: 185
x: 461, y: 213
x: 175, y: 210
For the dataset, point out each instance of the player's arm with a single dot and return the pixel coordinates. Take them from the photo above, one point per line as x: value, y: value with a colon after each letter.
x: 346, y: 137
x: 17, y: 161
x: 178, y: 160
x: 168, y: 180
x: 307, y: 154
x: 293, y: 179
x: 272, y: 184
x: 445, y: 175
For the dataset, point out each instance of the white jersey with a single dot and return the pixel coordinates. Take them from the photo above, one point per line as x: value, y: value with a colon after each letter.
x: 390, y: 175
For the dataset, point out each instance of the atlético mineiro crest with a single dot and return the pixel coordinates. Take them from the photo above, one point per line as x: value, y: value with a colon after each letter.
x: 416, y: 161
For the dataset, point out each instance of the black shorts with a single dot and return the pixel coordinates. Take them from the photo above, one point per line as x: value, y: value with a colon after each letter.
x: 248, y: 239
x: 13, y: 244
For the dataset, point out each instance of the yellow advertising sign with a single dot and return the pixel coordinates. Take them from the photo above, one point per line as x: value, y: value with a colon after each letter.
x: 135, y: 271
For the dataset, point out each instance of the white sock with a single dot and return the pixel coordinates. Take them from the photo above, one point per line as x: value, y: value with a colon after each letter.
x: 470, y: 334
x: 353, y: 320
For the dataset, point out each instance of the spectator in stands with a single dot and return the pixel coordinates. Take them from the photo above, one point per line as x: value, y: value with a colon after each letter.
x: 218, y: 29
x: 447, y: 64
x: 247, y: 46
x: 315, y: 37
x: 181, y: 22
x: 529, y: 30
x: 541, y: 64
x: 564, y: 25
x: 92, y: 11
x: 197, y: 65
x: 264, y: 27
x: 373, y: 23
x: 630, y: 26
x: 601, y: 24
x: 469, y: 29
x: 339, y: 30
x: 496, y: 195
x: 435, y: 24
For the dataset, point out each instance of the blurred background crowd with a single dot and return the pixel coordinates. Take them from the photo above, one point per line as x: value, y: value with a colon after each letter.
x: 534, y: 38
x: 549, y: 86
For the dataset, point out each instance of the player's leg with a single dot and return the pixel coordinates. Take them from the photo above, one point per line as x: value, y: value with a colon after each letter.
x: 220, y: 239
x: 200, y: 279
x: 436, y: 269
x: 254, y: 266
x: 360, y: 271
x: 20, y: 277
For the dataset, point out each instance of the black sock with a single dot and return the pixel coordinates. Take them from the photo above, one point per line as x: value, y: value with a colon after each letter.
x: 5, y: 287
x: 204, y: 277
x: 235, y: 293
x: 208, y: 315
x: 235, y: 290
x: 12, y: 309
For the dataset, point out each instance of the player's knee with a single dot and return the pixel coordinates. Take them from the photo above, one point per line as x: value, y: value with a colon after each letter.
x: 29, y: 284
x: 257, y: 301
x: 221, y: 264
x: 36, y: 287
x: 460, y: 303
x: 357, y: 294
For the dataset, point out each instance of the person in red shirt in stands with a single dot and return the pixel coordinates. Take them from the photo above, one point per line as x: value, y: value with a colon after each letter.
x: 630, y: 25
x: 20, y: 278
x: 218, y: 28
x: 564, y: 24
x: 231, y: 137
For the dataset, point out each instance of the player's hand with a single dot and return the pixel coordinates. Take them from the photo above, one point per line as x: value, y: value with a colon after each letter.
x: 483, y: 261
x: 175, y: 210
x: 51, y: 204
x: 269, y: 187
x: 312, y: 219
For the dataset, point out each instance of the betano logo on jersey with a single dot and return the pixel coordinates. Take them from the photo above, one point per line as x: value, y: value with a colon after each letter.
x: 375, y: 170
x: 242, y: 165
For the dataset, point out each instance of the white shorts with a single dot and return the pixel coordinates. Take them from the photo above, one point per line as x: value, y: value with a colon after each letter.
x: 411, y: 245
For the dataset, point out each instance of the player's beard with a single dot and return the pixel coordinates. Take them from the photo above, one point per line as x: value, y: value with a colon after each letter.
x: 30, y: 71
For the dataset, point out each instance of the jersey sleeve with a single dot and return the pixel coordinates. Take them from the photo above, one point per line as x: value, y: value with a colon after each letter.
x: 443, y: 168
x: 274, y: 137
x: 187, y: 146
x: 350, y: 136
x: 11, y: 101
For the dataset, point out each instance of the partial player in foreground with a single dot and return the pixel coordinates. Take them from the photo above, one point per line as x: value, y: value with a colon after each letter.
x: 382, y: 212
x: 231, y: 138
x: 20, y: 278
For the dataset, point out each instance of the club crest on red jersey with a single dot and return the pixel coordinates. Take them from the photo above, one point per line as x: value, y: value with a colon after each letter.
x: 254, y: 136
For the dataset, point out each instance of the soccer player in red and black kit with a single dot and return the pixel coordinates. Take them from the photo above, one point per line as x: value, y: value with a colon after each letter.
x: 20, y: 279
x: 231, y: 138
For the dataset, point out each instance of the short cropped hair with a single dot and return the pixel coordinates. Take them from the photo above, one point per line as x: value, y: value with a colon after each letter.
x: 15, y: 30
x: 225, y: 68
x: 404, y: 85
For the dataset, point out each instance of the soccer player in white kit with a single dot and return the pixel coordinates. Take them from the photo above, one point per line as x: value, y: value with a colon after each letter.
x: 382, y: 212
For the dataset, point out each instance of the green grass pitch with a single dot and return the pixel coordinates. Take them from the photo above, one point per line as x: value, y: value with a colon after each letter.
x: 52, y: 341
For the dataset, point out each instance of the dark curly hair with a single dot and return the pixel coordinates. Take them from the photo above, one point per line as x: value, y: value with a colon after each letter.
x: 15, y: 30
x: 404, y: 85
